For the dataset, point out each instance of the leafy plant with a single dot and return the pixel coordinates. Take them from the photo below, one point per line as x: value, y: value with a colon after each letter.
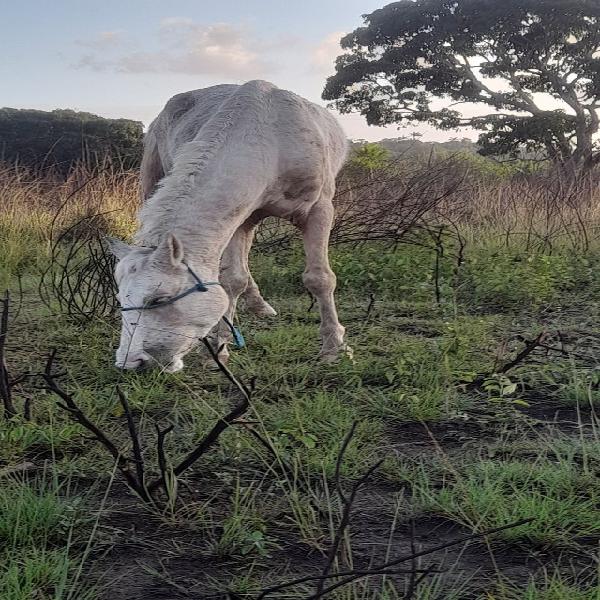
x: 501, y: 389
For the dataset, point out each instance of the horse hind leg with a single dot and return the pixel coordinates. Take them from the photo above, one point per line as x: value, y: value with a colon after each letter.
x: 254, y: 302
x: 237, y: 281
x: 320, y: 280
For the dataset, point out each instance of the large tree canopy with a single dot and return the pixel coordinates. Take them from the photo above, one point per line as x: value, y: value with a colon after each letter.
x: 62, y: 137
x: 535, y: 64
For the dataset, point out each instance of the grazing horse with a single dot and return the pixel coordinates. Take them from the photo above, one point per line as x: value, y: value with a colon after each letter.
x: 217, y: 161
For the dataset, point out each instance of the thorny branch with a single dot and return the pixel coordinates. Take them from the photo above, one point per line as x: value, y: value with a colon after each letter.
x: 80, y: 273
x: 221, y: 425
x: 7, y: 383
x: 381, y: 206
x: 135, y: 439
x: 386, y: 568
x: 136, y: 478
x: 136, y: 481
x: 370, y: 306
x: 161, y: 435
x: 530, y: 346
x: 413, y: 556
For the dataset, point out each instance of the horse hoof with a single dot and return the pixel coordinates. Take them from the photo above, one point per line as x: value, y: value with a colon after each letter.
x: 263, y: 310
x: 333, y: 356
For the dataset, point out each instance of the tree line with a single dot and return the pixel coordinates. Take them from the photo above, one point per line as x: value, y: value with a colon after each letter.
x: 61, y: 138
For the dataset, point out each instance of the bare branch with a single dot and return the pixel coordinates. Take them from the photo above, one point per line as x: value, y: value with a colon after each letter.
x: 133, y: 434
x: 162, y: 458
x: 122, y: 461
x: 5, y: 384
x: 385, y: 568
x: 354, y: 576
x: 530, y: 346
x: 219, y: 427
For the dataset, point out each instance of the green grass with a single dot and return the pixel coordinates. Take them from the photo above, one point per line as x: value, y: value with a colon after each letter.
x: 507, y: 280
x: 44, y: 574
x: 32, y: 514
x: 18, y: 437
x: 560, y: 497
x: 244, y: 531
x: 310, y: 429
x: 37, y: 532
x: 582, y: 388
x: 555, y: 587
x: 487, y: 465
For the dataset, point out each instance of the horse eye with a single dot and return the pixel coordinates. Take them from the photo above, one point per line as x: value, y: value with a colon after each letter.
x: 156, y: 301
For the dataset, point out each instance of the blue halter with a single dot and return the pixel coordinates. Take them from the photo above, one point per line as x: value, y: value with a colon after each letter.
x: 200, y: 286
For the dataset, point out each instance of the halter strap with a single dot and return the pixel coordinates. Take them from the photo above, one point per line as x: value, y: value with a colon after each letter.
x: 200, y: 286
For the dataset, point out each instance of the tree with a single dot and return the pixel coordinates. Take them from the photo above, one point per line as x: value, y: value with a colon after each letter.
x: 62, y: 137
x: 418, y: 61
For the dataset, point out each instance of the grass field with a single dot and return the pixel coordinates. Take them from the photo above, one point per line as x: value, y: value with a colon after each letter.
x: 473, y: 432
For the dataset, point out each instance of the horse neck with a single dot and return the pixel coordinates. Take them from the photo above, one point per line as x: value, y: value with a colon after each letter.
x: 216, y: 181
x: 203, y: 218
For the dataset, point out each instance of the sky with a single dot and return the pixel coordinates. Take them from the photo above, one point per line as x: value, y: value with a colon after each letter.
x: 126, y: 58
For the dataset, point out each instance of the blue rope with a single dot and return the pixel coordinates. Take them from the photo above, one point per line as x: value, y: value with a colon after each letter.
x: 200, y: 286
x: 238, y: 338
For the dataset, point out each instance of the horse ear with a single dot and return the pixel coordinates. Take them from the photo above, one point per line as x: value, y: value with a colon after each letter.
x: 119, y: 248
x: 170, y: 250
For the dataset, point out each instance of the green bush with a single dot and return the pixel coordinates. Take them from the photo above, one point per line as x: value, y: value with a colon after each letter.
x: 504, y: 279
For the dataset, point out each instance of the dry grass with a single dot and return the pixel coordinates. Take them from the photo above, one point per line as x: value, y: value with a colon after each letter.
x: 536, y: 210
x: 48, y: 205
x: 36, y: 211
x: 539, y: 211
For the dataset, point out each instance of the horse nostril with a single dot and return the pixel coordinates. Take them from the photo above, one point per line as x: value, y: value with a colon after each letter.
x: 142, y: 364
x: 134, y: 361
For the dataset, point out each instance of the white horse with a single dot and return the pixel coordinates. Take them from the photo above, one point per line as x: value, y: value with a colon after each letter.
x: 228, y: 157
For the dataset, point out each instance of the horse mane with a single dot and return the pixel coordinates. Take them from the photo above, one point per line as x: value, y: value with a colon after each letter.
x: 242, y: 108
x: 192, y: 158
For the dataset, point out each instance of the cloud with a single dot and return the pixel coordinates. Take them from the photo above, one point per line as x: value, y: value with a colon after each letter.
x: 103, y: 40
x: 324, y: 54
x: 174, y: 22
x: 91, y: 62
x: 184, y: 46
